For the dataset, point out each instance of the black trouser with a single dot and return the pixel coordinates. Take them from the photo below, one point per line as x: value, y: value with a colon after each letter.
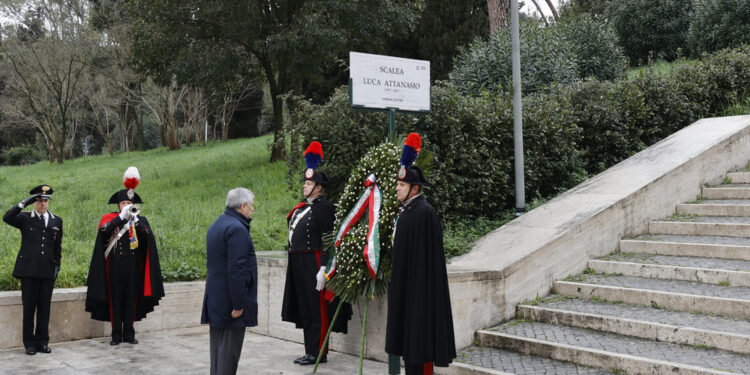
x: 123, y: 275
x: 313, y: 308
x: 226, y: 347
x: 36, y: 295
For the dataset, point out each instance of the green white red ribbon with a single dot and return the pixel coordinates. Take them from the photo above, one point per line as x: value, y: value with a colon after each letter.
x: 371, y: 200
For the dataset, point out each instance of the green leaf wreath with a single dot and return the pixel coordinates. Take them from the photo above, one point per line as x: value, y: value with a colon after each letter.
x: 352, y: 279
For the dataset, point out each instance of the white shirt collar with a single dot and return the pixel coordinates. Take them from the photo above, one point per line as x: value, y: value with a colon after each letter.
x: 47, y: 215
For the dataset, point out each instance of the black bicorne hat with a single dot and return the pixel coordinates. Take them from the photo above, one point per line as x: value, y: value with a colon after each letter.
x: 44, y: 190
x: 412, y: 175
x: 125, y: 195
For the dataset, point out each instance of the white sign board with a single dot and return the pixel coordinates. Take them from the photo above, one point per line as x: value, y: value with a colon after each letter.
x: 382, y: 82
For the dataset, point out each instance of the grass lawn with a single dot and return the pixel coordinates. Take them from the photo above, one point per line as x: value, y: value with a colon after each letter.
x: 183, y: 192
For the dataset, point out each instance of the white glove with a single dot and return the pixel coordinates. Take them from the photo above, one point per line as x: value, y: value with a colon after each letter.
x: 125, y: 213
x: 321, y: 278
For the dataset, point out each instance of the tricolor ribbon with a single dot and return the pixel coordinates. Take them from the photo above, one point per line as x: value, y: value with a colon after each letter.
x: 371, y: 201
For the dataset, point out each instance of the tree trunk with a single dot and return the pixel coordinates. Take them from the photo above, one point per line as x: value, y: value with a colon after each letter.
x: 498, y: 12
x: 294, y: 146
x: 276, y: 87
x: 552, y: 8
x: 541, y: 13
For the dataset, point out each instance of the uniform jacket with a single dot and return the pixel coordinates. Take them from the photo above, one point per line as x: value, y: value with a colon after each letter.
x: 41, y: 247
x: 232, y: 273
x: 420, y: 323
x: 311, y: 227
x: 150, y: 287
x: 307, y: 237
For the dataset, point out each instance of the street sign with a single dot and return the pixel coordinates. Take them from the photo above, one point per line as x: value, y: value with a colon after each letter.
x: 387, y: 82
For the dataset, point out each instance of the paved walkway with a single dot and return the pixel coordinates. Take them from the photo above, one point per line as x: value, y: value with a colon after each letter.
x: 181, y: 351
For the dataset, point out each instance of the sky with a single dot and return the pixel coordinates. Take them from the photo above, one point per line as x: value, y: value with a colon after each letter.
x: 529, y: 7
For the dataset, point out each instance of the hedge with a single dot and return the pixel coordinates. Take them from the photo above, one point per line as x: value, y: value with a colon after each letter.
x: 570, y: 132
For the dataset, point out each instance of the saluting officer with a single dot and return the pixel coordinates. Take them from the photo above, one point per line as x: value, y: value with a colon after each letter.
x: 37, y: 264
x: 304, y: 298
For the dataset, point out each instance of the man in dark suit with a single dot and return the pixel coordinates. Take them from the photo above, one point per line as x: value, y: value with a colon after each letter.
x: 37, y: 264
x: 231, y: 300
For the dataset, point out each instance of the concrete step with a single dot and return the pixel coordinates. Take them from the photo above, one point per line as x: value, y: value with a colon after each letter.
x: 705, y: 270
x: 727, y: 301
x: 739, y: 177
x: 727, y: 191
x: 731, y: 226
x: 641, y: 321
x: 716, y: 207
x: 611, y: 351
x: 686, y: 245
x: 480, y: 360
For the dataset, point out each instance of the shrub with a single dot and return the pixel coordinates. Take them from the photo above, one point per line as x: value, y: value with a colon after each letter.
x: 486, y: 65
x: 652, y: 28
x: 610, y: 116
x: 570, y: 132
x: 718, y: 24
x: 470, y: 140
x: 595, y: 45
x: 22, y: 155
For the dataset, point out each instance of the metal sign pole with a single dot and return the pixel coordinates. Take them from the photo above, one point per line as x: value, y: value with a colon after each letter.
x: 517, y: 118
x: 391, y: 124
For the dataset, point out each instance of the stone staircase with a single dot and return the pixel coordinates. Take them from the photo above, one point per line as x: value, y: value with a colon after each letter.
x: 673, y: 301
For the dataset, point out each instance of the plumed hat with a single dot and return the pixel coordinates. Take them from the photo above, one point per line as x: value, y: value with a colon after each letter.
x: 130, y: 179
x: 408, y: 172
x: 313, y: 156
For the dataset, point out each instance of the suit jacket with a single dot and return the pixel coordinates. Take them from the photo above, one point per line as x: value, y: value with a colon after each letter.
x: 41, y: 246
x: 232, y: 273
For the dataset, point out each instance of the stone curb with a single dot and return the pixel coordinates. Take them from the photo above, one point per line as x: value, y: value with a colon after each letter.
x: 725, y: 193
x: 13, y: 297
x: 685, y: 249
x: 739, y: 177
x: 726, y: 307
x: 587, y: 356
x: 713, y: 209
x: 458, y: 368
x: 638, y: 328
x: 699, y: 229
x: 656, y: 271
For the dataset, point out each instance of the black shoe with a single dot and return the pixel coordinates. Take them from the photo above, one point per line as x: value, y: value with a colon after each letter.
x: 298, y: 360
x: 43, y: 349
x: 310, y: 360
x: 115, y: 342
x: 131, y: 341
x: 30, y: 350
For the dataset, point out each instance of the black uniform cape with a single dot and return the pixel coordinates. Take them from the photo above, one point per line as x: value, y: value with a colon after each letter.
x: 323, y: 213
x: 149, y: 289
x: 420, y: 322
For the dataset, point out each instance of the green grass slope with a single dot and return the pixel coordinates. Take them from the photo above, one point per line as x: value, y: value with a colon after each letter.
x: 183, y: 192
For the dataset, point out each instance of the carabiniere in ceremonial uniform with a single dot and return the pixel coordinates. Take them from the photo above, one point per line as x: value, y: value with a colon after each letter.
x: 305, y: 302
x: 37, y: 264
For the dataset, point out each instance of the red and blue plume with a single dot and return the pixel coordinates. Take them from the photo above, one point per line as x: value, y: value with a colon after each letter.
x: 313, y: 155
x: 412, y: 146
